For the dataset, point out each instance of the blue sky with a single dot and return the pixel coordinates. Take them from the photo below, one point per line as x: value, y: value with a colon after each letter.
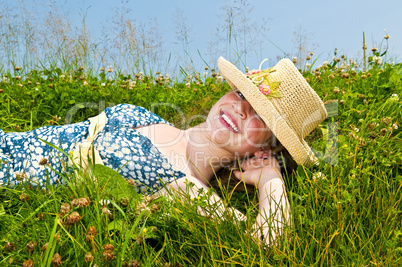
x: 328, y: 24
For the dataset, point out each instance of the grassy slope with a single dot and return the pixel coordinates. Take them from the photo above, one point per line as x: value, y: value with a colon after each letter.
x: 349, y: 215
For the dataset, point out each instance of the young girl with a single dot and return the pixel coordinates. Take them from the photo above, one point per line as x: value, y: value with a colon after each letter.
x: 267, y: 110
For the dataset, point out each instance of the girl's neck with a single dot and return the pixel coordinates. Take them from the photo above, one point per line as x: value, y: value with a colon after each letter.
x: 204, y: 155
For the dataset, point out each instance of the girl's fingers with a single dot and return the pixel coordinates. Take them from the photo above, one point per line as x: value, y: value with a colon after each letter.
x: 263, y: 154
x: 237, y: 174
x: 253, y: 163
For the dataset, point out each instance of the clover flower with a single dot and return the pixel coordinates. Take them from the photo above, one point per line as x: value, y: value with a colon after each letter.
x: 19, y: 176
x: 30, y: 247
x: 27, y: 263
x: 89, y: 257
x: 377, y: 60
x: 91, y: 233
x: 9, y: 246
x: 105, y: 210
x: 318, y: 175
x: 56, y: 260
x: 43, y: 161
x: 73, y: 218
x: 84, y: 202
x: 109, y: 247
x: 108, y: 252
x: 104, y: 202
x: 135, y: 263
x: 394, y: 97
x: 24, y: 197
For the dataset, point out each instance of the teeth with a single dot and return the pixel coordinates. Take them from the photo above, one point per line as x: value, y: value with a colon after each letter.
x: 230, y: 123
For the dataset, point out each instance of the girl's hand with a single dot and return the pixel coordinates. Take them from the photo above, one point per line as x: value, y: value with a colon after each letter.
x: 258, y: 170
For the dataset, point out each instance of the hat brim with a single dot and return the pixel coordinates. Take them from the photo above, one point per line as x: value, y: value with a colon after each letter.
x: 298, y: 148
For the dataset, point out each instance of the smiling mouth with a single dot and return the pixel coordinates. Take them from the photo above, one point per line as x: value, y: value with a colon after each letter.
x: 231, y: 124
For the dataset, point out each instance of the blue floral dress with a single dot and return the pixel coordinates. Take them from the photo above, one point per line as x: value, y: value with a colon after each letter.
x: 120, y: 146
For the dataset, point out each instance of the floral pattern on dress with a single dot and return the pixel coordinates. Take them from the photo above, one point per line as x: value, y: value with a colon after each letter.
x: 120, y: 146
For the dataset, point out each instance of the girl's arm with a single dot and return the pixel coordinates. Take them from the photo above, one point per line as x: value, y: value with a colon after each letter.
x: 274, y: 210
x: 263, y: 171
x: 192, y: 187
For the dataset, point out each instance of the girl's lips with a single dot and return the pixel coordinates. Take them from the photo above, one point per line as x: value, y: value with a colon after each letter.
x: 233, y: 126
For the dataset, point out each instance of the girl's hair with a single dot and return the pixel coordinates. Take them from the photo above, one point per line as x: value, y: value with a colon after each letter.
x: 225, y: 177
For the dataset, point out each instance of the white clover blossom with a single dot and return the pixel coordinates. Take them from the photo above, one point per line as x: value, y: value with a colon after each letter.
x: 325, y: 63
x: 308, y: 65
x: 395, y: 126
x: 318, y: 175
x: 104, y: 202
x: 377, y: 60
x: 103, y: 84
x: 394, y: 97
x: 219, y: 79
x: 188, y: 85
x: 85, y: 83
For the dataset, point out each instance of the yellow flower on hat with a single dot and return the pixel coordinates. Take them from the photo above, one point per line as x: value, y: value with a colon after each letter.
x: 261, y: 79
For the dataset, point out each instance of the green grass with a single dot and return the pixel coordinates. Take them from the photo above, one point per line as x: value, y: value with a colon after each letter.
x: 350, y: 215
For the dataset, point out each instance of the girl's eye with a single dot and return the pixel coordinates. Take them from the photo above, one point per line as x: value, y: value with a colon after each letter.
x: 241, y: 95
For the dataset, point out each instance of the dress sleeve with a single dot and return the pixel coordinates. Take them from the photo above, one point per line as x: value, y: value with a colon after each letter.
x: 131, y: 116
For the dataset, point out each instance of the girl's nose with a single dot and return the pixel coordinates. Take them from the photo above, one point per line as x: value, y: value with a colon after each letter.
x: 242, y: 108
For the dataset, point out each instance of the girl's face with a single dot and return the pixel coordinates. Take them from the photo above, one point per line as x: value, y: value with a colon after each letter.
x: 234, y: 125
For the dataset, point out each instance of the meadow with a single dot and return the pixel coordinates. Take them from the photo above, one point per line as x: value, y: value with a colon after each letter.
x: 347, y: 211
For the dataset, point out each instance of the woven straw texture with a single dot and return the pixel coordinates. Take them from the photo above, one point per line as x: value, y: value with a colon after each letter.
x: 291, y: 117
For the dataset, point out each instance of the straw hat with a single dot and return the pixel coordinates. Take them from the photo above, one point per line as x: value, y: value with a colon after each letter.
x: 284, y: 100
